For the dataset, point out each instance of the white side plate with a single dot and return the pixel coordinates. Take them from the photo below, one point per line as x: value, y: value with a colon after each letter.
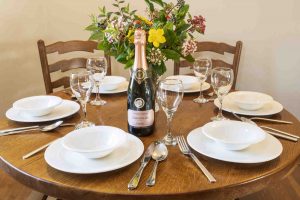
x: 122, y: 88
x: 65, y: 109
x: 271, y: 108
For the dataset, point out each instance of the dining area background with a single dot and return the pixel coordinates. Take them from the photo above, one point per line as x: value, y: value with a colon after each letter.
x: 269, y: 30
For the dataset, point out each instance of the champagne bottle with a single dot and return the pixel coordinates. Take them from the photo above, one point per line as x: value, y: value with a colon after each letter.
x: 141, y: 101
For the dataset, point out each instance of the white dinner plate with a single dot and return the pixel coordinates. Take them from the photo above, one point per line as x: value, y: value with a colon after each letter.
x: 122, y: 88
x: 266, y: 150
x: 65, y: 109
x: 196, y: 88
x: 61, y: 159
x: 271, y: 108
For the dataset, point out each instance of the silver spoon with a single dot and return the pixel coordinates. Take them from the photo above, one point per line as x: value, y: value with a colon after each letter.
x: 160, y: 153
x: 39, y: 128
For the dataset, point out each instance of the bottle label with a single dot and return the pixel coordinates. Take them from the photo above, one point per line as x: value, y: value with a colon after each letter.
x: 140, y: 118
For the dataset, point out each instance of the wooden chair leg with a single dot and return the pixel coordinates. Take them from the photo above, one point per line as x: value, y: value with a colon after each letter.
x: 44, y: 197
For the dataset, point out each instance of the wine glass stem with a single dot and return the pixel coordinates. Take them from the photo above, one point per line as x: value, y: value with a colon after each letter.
x: 201, y: 95
x: 169, y: 120
x: 83, y: 104
x: 98, y: 92
x: 221, y: 107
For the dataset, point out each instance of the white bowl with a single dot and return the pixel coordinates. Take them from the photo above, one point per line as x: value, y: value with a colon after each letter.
x: 248, y: 100
x: 233, y: 135
x: 94, y: 142
x: 37, y: 105
x: 187, y: 81
x: 112, y: 82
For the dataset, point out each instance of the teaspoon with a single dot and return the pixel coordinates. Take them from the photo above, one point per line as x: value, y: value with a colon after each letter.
x: 160, y: 153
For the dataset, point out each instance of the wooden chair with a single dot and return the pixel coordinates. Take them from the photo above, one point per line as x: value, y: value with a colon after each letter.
x: 219, y: 48
x: 66, y: 64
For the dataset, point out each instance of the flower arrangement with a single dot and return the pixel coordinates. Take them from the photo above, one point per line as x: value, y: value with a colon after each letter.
x: 170, y: 32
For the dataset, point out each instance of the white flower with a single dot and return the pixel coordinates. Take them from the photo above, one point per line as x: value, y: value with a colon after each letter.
x: 188, y: 47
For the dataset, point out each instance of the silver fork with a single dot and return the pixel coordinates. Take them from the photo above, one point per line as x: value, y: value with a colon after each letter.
x: 186, y: 151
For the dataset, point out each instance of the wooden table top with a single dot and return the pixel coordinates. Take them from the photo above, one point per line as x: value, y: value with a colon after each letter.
x: 178, y: 176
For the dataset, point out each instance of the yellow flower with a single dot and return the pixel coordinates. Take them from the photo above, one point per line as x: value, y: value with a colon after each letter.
x: 144, y: 19
x: 156, y: 36
x: 130, y: 35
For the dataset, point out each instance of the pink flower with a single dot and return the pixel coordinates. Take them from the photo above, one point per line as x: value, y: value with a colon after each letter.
x: 188, y: 47
x: 198, y: 24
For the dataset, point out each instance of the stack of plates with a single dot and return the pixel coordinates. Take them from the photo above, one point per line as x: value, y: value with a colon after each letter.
x: 191, y: 84
x: 250, y: 103
x: 120, y: 149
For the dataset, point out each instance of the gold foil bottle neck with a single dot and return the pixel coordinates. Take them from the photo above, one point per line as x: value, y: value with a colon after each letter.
x: 139, y: 36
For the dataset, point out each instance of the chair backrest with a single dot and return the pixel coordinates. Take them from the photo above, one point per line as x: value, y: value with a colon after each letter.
x: 219, y: 48
x: 65, y: 64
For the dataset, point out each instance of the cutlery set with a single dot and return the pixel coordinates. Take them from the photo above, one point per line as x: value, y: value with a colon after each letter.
x: 159, y: 152
x: 272, y: 131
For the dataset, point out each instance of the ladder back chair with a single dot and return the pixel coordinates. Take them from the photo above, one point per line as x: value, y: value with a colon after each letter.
x: 218, y: 48
x: 65, y: 64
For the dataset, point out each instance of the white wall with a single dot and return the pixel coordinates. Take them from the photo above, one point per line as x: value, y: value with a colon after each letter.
x: 269, y: 29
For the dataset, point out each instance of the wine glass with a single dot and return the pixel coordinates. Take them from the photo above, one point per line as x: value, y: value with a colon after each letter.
x: 202, y: 67
x: 221, y: 81
x: 170, y: 94
x: 98, y: 67
x: 82, y: 84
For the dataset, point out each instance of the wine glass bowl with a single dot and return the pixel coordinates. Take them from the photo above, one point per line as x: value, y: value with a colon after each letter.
x: 98, y: 67
x: 202, y: 68
x: 170, y: 94
x: 221, y: 81
x: 82, y: 85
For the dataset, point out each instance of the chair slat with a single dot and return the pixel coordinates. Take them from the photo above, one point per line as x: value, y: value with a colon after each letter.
x: 70, y: 46
x: 219, y: 48
x: 64, y: 81
x: 65, y: 65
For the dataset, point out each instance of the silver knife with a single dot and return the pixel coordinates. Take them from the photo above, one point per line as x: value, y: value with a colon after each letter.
x: 281, y: 134
x: 133, y: 183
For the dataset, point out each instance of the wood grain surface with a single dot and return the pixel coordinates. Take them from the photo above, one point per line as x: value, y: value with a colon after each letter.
x: 178, y: 177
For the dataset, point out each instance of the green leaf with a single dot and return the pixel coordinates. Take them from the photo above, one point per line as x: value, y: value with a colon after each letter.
x: 115, y: 5
x: 182, y: 12
x: 92, y: 27
x: 171, y: 37
x: 96, y: 36
x: 150, y: 5
x: 100, y: 46
x: 133, y: 12
x: 129, y: 64
x: 159, y: 69
x: 159, y: 2
x: 122, y: 58
x: 109, y: 14
x: 189, y: 58
x: 171, y: 54
x: 169, y: 25
x: 182, y: 27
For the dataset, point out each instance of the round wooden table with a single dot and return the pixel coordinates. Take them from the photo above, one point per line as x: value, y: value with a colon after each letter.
x: 178, y: 176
